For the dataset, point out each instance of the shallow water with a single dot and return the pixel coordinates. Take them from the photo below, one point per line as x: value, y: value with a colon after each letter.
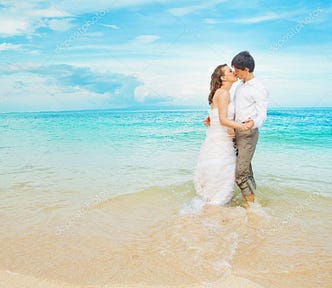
x: 158, y: 237
x: 98, y: 198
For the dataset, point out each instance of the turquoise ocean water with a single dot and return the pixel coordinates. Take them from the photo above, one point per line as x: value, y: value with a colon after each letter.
x: 125, y: 151
x: 111, y: 192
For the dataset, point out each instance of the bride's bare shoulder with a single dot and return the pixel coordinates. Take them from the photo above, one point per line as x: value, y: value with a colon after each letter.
x: 221, y: 92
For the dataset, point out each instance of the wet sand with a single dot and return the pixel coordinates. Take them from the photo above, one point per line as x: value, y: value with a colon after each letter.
x: 13, y: 280
x: 156, y: 238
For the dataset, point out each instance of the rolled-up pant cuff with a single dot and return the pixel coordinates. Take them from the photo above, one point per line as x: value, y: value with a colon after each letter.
x: 247, y: 187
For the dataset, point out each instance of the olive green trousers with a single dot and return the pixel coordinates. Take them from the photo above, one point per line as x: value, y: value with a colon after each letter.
x: 246, y: 144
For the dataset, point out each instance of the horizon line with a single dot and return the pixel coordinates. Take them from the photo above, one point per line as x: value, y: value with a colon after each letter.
x: 156, y: 108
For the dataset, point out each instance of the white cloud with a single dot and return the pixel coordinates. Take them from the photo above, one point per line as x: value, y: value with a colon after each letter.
x: 182, y: 11
x: 178, y: 69
x: 210, y: 21
x: 146, y: 39
x: 114, y: 27
x: 63, y: 87
x: 177, y: 80
x: 9, y: 46
x: 184, y: 74
x: 24, y: 18
x: 185, y: 10
x: 47, y: 13
x: 296, y: 16
x: 62, y: 8
x: 257, y: 19
x: 13, y: 26
x: 35, y: 93
x: 60, y: 24
x: 88, y: 6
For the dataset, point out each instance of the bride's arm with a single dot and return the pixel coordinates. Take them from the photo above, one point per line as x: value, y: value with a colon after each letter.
x: 223, y: 101
x: 206, y: 121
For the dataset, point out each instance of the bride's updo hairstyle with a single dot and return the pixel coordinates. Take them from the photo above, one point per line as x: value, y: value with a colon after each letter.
x: 216, y: 81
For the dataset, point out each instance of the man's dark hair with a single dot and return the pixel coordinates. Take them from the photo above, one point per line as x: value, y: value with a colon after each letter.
x: 244, y: 60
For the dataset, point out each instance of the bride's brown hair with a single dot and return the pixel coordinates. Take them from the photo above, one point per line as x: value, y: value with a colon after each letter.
x: 216, y: 81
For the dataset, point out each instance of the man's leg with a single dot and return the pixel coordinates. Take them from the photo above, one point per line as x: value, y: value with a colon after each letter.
x: 246, y: 144
x: 252, y: 176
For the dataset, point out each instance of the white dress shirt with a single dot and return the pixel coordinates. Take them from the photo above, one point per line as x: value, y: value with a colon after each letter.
x: 250, y: 101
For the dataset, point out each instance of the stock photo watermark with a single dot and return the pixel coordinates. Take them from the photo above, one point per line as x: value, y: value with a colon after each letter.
x: 296, y: 29
x: 289, y: 218
x: 82, y: 212
x: 79, y: 33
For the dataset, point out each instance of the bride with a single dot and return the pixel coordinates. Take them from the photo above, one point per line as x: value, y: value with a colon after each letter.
x: 214, y: 178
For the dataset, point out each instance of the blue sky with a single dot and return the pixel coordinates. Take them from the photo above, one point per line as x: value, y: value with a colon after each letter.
x: 67, y: 55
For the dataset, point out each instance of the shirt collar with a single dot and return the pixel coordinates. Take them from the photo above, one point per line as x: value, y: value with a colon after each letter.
x: 249, y: 82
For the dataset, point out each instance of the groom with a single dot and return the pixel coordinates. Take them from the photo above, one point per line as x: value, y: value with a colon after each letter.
x: 250, y: 101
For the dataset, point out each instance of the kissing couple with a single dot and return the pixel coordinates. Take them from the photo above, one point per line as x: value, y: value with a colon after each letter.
x: 232, y: 132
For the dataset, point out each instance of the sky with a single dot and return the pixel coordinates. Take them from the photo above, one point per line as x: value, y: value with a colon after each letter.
x: 76, y: 55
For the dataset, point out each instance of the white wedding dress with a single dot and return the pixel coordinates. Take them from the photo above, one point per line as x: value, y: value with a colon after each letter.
x: 214, y: 177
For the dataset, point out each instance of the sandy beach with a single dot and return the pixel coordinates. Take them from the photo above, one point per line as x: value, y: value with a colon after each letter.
x: 77, y: 211
x: 215, y: 246
x: 14, y: 280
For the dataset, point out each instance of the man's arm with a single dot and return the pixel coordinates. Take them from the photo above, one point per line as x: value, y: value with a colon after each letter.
x: 260, y: 98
